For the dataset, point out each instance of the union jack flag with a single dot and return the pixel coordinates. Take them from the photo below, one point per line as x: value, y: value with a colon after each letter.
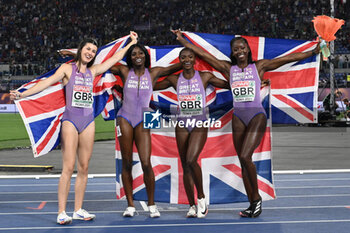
x: 220, y: 165
x: 222, y: 180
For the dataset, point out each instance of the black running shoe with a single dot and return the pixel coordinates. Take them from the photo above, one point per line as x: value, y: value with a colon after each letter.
x: 247, y: 212
x: 256, y: 208
x: 253, y: 211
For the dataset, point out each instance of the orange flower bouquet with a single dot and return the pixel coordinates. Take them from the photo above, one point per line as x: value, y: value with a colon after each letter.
x: 325, y: 28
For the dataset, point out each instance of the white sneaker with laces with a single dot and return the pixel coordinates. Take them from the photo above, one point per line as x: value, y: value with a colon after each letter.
x: 63, y: 218
x: 129, y: 212
x: 202, y: 208
x: 153, y: 211
x: 192, y: 212
x: 82, y: 214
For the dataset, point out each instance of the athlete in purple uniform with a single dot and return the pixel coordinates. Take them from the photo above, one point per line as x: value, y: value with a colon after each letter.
x: 190, y: 86
x: 249, y: 119
x: 78, y: 127
x: 138, y: 80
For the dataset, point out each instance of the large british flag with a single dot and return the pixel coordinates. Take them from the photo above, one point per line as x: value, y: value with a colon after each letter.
x: 219, y: 161
x: 293, y: 93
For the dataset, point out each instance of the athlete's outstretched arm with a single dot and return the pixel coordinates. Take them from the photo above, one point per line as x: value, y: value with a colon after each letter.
x: 158, y: 72
x: 216, y: 82
x: 265, y: 65
x: 169, y: 81
x: 103, y: 67
x: 64, y: 71
x: 220, y: 65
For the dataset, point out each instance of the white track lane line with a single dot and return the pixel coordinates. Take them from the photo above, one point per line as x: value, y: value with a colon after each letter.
x: 113, y: 175
x: 115, y: 200
x: 113, y: 190
x: 184, y: 209
x: 180, y: 225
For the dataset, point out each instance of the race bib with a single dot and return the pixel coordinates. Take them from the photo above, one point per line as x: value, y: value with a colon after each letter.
x: 191, y: 104
x: 119, y: 131
x: 243, y: 91
x: 82, y: 97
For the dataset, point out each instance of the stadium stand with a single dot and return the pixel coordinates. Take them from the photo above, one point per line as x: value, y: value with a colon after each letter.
x: 32, y: 31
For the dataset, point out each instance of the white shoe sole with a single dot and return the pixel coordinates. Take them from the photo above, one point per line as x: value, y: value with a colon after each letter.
x: 85, y: 219
x: 65, y: 222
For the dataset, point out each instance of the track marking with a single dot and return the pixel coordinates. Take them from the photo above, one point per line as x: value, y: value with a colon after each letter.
x: 113, y: 183
x: 55, y: 192
x: 311, y: 171
x: 326, y: 179
x: 52, y: 176
x: 314, y: 187
x: 179, y: 225
x: 114, y: 175
x: 42, y: 204
x: 110, y: 191
x: 144, y: 205
x: 185, y: 209
x: 45, y: 185
x: 98, y: 200
x: 116, y: 200
x: 313, y: 195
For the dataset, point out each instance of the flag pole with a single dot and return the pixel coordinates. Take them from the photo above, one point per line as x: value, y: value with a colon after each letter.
x: 331, y: 68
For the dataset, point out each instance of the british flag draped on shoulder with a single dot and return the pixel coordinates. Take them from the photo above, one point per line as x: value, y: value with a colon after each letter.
x: 42, y: 112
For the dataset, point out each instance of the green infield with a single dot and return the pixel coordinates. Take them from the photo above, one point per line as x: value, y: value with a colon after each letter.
x: 13, y: 133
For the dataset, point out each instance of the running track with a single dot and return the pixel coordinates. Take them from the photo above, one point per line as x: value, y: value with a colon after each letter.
x: 309, y: 202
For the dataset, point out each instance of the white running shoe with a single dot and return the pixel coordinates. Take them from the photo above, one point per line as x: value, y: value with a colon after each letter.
x: 63, y: 218
x: 82, y: 214
x: 153, y: 211
x: 129, y: 212
x: 192, y: 212
x: 202, y: 208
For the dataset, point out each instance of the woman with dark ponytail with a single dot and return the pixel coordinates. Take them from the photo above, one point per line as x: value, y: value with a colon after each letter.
x: 77, y: 127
